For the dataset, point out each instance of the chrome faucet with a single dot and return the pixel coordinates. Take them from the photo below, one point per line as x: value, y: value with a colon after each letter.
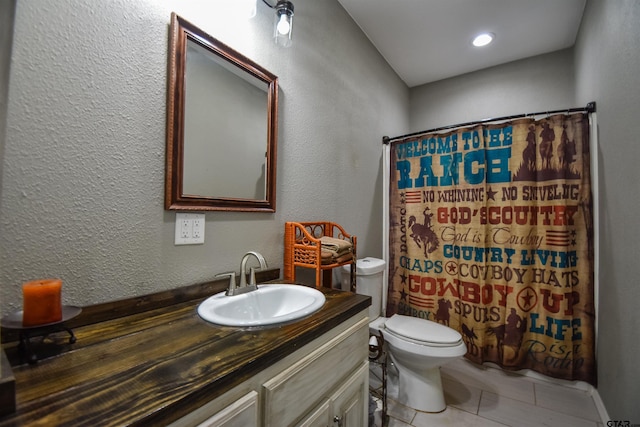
x: 252, y: 270
x: 243, y: 287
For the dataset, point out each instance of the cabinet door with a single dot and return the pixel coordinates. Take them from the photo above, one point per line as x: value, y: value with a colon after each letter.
x: 318, y: 418
x: 295, y: 391
x: 241, y: 413
x: 350, y: 403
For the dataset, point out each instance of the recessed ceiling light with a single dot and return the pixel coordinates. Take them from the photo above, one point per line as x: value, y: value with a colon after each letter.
x: 483, y: 39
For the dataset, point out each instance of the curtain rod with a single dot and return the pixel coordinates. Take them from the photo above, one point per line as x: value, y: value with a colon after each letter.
x: 590, y: 108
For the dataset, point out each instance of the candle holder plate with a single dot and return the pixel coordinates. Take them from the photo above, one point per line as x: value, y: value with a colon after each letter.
x: 14, y: 321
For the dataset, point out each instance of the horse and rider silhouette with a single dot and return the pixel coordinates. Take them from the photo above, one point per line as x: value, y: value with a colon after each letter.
x: 423, y: 234
x: 565, y: 151
x: 508, y: 334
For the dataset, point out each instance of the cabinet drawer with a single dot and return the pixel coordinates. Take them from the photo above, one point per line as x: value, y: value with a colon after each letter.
x: 242, y: 413
x: 300, y: 387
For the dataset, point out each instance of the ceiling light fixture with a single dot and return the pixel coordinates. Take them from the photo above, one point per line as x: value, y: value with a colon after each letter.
x: 483, y: 39
x: 283, y: 24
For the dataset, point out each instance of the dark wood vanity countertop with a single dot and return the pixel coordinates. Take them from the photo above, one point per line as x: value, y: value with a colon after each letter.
x: 153, y: 367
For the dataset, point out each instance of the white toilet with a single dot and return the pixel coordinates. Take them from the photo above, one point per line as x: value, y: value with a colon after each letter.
x: 417, y: 347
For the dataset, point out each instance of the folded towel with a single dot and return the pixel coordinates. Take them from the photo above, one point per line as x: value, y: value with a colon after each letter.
x: 339, y: 246
x: 329, y: 257
x: 334, y: 254
x: 344, y: 258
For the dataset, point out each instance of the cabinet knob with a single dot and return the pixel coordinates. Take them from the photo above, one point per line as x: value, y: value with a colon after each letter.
x: 338, y: 420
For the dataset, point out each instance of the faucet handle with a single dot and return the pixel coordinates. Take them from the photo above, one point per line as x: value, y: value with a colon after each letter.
x: 252, y: 275
x: 232, y: 279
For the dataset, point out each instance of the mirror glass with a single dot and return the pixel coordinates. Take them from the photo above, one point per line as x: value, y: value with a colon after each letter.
x: 221, y: 126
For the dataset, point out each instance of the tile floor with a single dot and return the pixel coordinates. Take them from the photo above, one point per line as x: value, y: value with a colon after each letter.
x: 488, y: 397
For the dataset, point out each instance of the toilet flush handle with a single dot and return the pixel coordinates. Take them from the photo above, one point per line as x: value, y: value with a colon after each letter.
x: 337, y: 419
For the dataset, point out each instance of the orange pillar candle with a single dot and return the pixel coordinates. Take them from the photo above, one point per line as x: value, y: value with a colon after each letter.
x: 42, y: 302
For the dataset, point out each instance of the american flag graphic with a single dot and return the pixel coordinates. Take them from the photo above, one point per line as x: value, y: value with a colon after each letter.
x: 413, y: 197
x: 558, y: 237
x: 421, y: 302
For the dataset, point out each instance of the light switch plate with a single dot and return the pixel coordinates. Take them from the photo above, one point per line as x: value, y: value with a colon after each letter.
x: 189, y: 229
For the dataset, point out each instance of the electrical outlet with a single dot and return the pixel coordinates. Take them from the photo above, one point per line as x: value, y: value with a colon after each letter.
x: 185, y: 228
x: 198, y: 225
x: 189, y: 229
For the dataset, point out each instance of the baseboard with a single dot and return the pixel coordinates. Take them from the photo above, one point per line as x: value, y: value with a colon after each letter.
x: 580, y: 385
x: 602, y: 410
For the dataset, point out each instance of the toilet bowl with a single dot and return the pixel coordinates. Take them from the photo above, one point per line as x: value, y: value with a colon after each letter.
x: 417, y: 347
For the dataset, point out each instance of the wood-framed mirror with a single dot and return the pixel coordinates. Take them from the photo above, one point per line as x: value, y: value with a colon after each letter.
x: 222, y: 118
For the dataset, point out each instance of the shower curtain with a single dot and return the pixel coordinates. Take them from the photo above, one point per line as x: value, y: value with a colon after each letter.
x: 491, y: 233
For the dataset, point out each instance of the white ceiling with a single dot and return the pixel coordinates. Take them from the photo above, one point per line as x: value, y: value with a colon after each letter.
x: 429, y: 40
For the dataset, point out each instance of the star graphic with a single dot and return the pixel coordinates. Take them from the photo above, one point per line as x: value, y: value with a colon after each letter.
x: 573, y: 233
x: 451, y: 267
x: 527, y: 298
x: 491, y: 194
x: 404, y: 278
x: 403, y: 294
x: 573, y: 242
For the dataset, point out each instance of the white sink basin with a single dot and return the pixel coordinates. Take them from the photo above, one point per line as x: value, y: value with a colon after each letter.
x: 270, y: 304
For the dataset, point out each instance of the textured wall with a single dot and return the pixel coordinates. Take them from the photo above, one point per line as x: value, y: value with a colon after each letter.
x: 7, y: 9
x: 607, y: 64
x: 540, y: 83
x: 83, y: 183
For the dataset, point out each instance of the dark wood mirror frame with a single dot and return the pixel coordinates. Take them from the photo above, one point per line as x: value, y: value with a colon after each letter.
x: 180, y: 32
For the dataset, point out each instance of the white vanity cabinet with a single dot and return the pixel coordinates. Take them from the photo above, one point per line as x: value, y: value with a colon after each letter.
x: 241, y: 413
x: 316, y: 377
x: 324, y: 383
x: 348, y: 402
x: 345, y: 407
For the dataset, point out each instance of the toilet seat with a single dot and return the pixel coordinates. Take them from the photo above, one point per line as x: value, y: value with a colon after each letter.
x: 422, y: 331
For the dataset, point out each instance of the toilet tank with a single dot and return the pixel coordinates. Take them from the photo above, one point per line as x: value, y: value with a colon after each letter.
x: 369, y: 273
